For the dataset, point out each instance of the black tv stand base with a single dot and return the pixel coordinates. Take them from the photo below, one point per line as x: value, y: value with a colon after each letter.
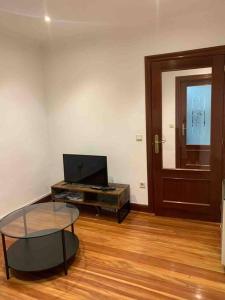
x: 121, y: 213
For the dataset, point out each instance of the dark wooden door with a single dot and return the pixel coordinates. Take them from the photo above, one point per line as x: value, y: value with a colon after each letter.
x: 174, y: 190
x: 193, y: 154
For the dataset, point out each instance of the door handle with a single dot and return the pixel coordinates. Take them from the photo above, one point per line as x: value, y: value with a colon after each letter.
x: 157, y: 142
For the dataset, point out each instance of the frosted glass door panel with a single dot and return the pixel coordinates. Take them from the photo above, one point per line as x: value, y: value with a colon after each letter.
x: 198, y: 115
x: 186, y: 118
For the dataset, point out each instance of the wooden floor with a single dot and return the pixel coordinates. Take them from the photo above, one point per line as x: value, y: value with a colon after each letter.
x: 145, y: 257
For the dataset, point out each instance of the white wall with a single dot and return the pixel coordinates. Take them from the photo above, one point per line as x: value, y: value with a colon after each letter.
x: 23, y: 125
x: 96, y: 106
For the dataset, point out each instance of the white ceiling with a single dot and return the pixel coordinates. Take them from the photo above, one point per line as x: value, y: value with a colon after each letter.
x: 80, y: 17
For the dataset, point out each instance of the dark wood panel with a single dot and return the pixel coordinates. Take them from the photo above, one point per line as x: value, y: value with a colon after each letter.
x: 187, y: 60
x: 217, y: 50
x: 172, y: 190
x: 218, y: 86
x: 139, y: 207
x: 181, y: 192
x: 186, y: 173
x: 196, y: 158
x: 185, y: 63
x: 149, y: 133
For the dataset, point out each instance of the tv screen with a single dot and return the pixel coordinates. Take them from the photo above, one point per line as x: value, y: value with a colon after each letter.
x: 85, y: 169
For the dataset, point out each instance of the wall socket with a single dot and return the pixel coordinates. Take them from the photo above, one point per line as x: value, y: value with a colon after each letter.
x: 139, y: 137
x: 142, y: 185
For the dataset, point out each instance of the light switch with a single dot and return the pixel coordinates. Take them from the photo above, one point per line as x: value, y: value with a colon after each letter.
x: 171, y: 125
x: 139, y: 137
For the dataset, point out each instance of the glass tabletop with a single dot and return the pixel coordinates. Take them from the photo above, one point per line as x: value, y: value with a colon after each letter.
x: 39, y: 219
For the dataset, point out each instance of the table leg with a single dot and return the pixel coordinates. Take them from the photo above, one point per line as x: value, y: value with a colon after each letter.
x: 98, y: 213
x: 72, y: 228
x: 25, y: 224
x: 5, y: 256
x: 64, y: 252
x: 118, y: 216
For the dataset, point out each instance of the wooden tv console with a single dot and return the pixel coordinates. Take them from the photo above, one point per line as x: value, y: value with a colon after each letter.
x: 117, y: 200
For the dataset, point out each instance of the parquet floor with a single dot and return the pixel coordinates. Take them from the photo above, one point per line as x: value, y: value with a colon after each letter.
x: 145, y: 258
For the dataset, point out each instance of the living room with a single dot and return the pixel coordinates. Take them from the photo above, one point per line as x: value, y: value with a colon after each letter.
x: 75, y: 80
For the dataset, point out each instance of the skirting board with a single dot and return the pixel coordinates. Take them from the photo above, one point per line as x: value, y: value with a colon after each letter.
x: 139, y: 207
x: 133, y: 206
x: 44, y: 199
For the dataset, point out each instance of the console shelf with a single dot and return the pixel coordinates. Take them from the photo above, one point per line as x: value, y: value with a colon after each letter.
x: 117, y: 200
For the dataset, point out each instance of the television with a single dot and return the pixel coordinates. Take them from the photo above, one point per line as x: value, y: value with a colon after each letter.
x: 85, y: 169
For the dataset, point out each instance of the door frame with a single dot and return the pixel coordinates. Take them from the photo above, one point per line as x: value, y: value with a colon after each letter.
x: 178, y: 56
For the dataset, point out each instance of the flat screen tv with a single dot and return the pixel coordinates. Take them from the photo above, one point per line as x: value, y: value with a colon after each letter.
x: 85, y: 169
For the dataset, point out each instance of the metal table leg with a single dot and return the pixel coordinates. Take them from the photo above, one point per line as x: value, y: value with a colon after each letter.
x: 25, y: 223
x: 5, y: 256
x: 98, y: 213
x: 72, y: 228
x: 64, y: 252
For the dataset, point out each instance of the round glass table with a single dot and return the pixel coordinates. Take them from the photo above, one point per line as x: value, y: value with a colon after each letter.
x: 42, y: 241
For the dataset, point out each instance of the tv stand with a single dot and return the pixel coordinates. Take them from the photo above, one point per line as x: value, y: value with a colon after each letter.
x: 116, y: 198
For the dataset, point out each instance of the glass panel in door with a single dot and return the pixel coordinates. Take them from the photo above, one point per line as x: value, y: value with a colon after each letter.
x: 186, y: 118
x: 198, y: 122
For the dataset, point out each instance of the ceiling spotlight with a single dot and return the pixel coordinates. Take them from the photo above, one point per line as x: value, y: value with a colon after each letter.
x: 47, y: 19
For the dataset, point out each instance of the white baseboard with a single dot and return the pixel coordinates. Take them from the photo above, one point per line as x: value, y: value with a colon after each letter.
x: 38, y: 199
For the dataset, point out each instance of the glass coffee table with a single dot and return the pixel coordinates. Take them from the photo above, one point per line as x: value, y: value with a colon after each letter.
x: 42, y: 241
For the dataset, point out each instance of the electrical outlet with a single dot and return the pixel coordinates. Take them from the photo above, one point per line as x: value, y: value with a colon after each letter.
x: 142, y: 185
x: 139, y: 137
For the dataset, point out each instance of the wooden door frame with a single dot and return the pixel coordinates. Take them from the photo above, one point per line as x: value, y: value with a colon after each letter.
x: 178, y: 56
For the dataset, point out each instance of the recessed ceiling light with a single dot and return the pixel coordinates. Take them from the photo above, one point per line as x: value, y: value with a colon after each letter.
x: 47, y: 19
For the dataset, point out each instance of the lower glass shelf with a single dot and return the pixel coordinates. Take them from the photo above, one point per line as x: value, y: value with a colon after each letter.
x: 41, y: 253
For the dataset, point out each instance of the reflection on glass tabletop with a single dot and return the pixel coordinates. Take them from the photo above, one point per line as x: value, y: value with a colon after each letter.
x: 39, y: 219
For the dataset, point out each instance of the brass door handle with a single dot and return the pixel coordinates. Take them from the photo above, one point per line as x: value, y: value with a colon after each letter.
x: 157, y: 142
